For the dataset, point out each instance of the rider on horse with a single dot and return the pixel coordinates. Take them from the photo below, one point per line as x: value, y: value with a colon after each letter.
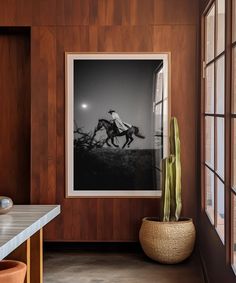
x: 117, y: 128
x: 121, y: 126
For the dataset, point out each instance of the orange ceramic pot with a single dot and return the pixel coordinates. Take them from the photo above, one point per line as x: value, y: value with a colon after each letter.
x: 12, y: 271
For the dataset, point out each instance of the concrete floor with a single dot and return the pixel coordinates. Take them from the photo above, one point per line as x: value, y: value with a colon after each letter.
x: 93, y: 267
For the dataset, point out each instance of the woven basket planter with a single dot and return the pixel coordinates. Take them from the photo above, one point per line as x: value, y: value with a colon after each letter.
x: 167, y: 242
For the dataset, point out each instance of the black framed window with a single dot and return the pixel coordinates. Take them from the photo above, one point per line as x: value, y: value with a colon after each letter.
x: 214, y: 115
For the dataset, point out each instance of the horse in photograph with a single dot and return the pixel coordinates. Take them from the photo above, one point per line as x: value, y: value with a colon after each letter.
x: 112, y: 132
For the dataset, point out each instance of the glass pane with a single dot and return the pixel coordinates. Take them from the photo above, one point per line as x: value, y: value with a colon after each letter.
x: 210, y: 34
x: 234, y: 21
x: 158, y: 179
x: 234, y: 154
x: 220, y: 85
x: 209, y: 89
x: 209, y: 141
x: 209, y: 189
x: 165, y: 128
x: 220, y: 209
x: 234, y: 228
x: 220, y: 146
x: 234, y: 80
x: 165, y: 146
x: 158, y: 158
x: 158, y: 134
x: 220, y: 26
x: 165, y: 118
x: 159, y: 86
x: 158, y: 119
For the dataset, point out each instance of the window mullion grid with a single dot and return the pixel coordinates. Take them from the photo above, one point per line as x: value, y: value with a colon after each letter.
x: 228, y: 134
x: 228, y: 117
x: 232, y: 228
x: 232, y: 190
x: 203, y: 141
x: 215, y: 124
x: 215, y: 58
x: 214, y: 172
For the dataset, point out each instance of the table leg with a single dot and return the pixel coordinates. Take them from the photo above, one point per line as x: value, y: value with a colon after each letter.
x: 36, y: 257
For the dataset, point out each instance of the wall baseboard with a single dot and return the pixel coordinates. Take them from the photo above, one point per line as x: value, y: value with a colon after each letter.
x: 132, y: 247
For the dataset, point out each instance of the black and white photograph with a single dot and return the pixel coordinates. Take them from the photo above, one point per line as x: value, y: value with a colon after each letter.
x: 118, y: 124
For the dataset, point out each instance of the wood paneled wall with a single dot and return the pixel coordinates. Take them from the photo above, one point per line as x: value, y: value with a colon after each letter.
x: 103, y: 26
x: 15, y: 115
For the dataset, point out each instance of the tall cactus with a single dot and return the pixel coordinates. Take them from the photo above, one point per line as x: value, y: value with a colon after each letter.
x: 171, y: 177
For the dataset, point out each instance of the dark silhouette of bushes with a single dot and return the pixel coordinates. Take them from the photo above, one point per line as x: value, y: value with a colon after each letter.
x: 86, y: 141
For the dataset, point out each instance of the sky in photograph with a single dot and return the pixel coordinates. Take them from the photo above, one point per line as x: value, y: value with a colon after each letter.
x: 125, y: 86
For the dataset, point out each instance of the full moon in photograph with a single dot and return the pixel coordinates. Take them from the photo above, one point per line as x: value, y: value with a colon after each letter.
x: 84, y: 105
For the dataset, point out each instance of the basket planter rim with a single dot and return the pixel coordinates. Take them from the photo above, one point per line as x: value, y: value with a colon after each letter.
x: 157, y: 220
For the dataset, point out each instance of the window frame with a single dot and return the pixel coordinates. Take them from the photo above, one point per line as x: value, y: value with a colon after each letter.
x: 230, y: 117
x: 213, y: 62
x: 155, y: 104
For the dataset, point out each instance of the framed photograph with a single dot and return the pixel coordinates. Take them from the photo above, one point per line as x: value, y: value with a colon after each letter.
x: 117, y: 113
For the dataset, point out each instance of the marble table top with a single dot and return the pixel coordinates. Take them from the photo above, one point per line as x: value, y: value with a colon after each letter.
x: 21, y: 223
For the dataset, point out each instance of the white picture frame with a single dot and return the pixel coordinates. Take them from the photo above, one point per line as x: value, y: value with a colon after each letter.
x: 70, y: 58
